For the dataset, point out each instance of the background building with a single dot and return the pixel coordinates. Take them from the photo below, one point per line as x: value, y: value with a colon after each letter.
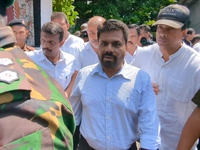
x: 35, y: 13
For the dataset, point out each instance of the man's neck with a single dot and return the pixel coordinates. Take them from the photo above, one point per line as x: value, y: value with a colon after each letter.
x: 66, y: 36
x: 110, y: 72
x: 167, y: 51
x: 55, y: 59
x: 132, y: 50
x: 21, y: 45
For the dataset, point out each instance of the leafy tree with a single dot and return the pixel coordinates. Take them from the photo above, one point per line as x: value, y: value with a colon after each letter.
x: 66, y: 7
x: 129, y: 11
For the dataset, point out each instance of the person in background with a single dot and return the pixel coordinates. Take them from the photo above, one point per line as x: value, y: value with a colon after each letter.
x: 21, y: 33
x: 111, y: 92
x: 77, y: 33
x: 72, y: 44
x: 34, y: 111
x: 196, y: 42
x: 83, y: 31
x: 58, y: 64
x: 189, y: 36
x: 132, y: 45
x: 89, y: 53
x: 174, y: 71
x: 145, y: 35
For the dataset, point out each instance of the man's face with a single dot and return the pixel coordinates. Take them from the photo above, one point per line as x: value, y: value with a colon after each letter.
x: 144, y: 33
x: 21, y: 34
x: 191, y: 36
x: 92, y: 35
x: 112, y: 49
x: 50, y: 44
x: 169, y: 37
x: 63, y: 24
x: 133, y: 39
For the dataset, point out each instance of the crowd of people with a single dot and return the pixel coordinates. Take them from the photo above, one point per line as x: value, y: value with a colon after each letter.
x: 107, y: 87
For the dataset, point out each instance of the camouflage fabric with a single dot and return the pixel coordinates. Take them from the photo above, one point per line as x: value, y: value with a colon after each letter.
x: 34, y: 112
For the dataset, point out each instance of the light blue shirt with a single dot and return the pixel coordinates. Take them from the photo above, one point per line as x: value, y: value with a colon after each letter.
x: 115, y: 112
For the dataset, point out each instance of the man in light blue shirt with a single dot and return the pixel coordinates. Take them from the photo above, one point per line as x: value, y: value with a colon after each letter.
x: 114, y: 102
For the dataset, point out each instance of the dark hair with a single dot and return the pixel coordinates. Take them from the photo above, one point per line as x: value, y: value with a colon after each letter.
x: 53, y: 28
x: 113, y: 25
x: 56, y: 15
x: 134, y: 26
x: 190, y: 30
x: 145, y: 27
x: 196, y: 37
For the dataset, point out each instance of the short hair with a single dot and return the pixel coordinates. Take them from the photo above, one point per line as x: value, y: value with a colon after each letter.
x: 134, y: 26
x: 190, y: 30
x: 113, y: 25
x: 56, y: 15
x: 53, y: 28
x: 145, y: 27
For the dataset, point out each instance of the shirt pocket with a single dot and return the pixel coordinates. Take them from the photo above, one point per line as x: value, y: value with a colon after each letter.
x: 179, y: 91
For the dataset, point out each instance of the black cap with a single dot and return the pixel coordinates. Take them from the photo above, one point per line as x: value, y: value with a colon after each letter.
x: 174, y: 15
x: 19, y: 22
x: 4, y: 4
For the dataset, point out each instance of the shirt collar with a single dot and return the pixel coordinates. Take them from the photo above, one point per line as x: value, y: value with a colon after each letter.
x: 122, y: 72
x: 42, y: 57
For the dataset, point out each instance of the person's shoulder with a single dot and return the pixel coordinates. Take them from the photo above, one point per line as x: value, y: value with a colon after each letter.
x: 76, y: 39
x: 29, y: 48
x: 67, y: 56
x: 35, y: 53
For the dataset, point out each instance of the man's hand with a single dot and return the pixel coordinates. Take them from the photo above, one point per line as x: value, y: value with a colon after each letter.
x: 155, y: 88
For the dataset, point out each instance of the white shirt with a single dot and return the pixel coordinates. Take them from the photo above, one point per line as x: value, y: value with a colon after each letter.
x: 62, y: 71
x: 129, y: 58
x: 88, y: 56
x: 74, y: 45
x: 178, y: 80
x: 115, y: 112
x: 197, y: 47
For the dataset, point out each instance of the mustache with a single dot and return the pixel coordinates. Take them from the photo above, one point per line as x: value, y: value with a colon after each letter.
x: 46, y: 49
x: 108, y: 54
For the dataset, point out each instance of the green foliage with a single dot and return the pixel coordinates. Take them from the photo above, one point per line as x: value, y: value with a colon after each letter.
x: 66, y: 7
x: 128, y: 11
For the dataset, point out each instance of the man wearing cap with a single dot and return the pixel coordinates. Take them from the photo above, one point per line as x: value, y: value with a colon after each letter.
x: 34, y: 112
x: 21, y: 33
x: 175, y: 73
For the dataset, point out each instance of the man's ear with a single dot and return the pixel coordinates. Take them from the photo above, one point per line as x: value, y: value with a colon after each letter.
x: 68, y: 25
x: 27, y: 33
x: 184, y: 33
x: 62, y: 42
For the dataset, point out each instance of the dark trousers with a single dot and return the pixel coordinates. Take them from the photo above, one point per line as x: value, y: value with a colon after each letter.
x: 83, y: 145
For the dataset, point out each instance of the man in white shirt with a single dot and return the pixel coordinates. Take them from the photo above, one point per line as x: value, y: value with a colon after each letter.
x: 133, y: 40
x: 89, y: 53
x: 114, y: 102
x: 175, y: 73
x: 72, y: 44
x: 58, y: 64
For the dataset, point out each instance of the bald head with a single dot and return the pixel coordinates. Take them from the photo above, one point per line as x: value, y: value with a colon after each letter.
x: 96, y: 20
x: 93, y: 23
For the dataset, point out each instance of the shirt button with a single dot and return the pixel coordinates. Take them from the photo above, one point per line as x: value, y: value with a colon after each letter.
x: 108, y: 118
x: 108, y: 138
x: 108, y: 98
